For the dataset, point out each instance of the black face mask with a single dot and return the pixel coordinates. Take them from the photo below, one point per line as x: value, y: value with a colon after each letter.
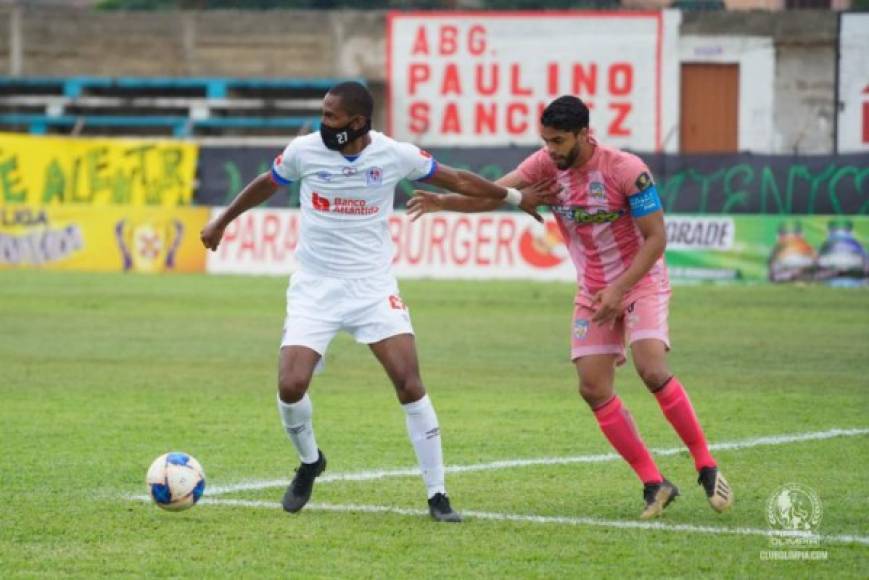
x: 338, y: 138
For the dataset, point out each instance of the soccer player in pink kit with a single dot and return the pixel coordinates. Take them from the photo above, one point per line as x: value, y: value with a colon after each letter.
x: 610, y: 215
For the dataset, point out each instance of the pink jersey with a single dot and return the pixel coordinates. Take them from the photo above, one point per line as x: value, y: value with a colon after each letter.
x: 595, y: 220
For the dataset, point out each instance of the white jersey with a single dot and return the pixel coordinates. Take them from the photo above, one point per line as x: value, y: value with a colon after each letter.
x: 346, y: 204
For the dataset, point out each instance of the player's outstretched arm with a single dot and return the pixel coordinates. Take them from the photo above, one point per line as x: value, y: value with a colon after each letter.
x: 472, y: 185
x: 256, y: 192
x: 424, y: 202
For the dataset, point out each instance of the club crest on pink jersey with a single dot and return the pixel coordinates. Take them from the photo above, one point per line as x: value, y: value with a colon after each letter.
x: 596, y: 190
x: 580, y: 329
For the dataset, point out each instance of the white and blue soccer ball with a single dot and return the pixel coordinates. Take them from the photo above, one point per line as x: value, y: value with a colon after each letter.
x: 175, y: 481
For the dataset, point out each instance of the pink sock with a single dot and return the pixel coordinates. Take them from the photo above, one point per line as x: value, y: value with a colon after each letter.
x: 618, y: 427
x: 677, y: 408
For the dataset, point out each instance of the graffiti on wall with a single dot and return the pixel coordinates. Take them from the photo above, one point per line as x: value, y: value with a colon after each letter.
x: 716, y: 184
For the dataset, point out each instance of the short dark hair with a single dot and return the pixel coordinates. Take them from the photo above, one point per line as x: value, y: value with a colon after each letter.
x: 355, y: 98
x: 567, y: 113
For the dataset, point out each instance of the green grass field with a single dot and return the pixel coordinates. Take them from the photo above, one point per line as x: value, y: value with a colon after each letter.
x: 100, y: 374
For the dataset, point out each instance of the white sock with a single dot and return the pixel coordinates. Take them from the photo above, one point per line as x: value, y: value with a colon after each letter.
x: 296, y: 418
x: 424, y: 433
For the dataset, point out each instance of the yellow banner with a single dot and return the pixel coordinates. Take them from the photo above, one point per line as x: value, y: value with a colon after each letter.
x: 102, y: 239
x: 76, y: 170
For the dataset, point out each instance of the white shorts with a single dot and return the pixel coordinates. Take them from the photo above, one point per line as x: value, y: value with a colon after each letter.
x: 318, y: 307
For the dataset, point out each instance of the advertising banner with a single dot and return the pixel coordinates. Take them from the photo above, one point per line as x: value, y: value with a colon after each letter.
x: 830, y: 249
x: 53, y: 171
x: 260, y: 241
x: 104, y: 239
x: 447, y: 245
x: 483, y: 78
x: 852, y: 125
x: 688, y: 184
x: 511, y: 245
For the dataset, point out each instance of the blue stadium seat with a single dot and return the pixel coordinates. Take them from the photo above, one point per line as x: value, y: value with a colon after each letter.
x: 181, y: 107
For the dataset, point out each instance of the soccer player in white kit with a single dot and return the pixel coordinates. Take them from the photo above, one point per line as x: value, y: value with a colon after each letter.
x: 348, y: 175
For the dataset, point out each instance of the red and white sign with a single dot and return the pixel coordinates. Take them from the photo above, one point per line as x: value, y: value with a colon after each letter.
x: 853, y: 109
x: 483, y: 78
x: 495, y: 245
x: 260, y: 241
x: 445, y: 245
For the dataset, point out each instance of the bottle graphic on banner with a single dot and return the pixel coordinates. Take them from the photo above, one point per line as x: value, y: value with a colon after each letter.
x: 842, y: 258
x: 792, y: 258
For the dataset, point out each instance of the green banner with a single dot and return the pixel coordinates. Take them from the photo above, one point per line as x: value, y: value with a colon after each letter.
x: 830, y: 249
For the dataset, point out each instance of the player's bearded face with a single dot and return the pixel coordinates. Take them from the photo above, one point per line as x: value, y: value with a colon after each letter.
x: 567, y: 160
x: 564, y: 147
x: 566, y: 151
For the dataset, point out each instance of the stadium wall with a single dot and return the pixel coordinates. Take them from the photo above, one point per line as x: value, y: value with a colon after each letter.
x: 492, y: 245
x: 67, y: 41
x: 689, y: 184
x: 131, y: 205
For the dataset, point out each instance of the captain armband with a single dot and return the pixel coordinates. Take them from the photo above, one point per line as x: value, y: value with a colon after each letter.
x: 645, y: 202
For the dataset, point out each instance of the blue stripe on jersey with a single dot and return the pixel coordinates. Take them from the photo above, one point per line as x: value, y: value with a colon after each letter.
x: 434, y: 167
x: 351, y: 158
x: 645, y: 202
x: 276, y: 177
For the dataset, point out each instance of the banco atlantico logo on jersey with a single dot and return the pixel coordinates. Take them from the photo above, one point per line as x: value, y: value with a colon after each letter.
x: 342, y: 205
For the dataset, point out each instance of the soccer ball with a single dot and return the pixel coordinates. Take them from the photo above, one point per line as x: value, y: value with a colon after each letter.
x: 175, y: 481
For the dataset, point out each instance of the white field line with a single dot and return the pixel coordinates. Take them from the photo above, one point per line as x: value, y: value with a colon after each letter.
x: 506, y: 464
x: 562, y: 520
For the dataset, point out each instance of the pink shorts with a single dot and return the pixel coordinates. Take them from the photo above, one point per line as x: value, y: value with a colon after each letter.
x: 645, y: 317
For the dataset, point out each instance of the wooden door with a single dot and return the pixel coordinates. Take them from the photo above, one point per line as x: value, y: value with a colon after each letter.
x: 709, y: 119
